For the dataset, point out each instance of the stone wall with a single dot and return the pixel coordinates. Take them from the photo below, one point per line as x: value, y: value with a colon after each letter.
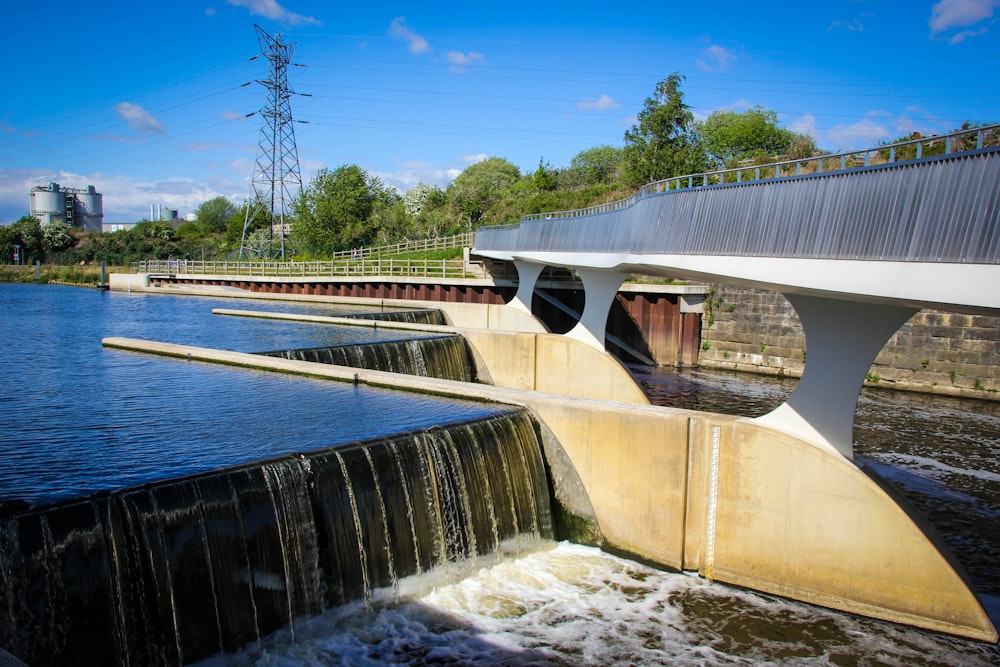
x: 937, y: 352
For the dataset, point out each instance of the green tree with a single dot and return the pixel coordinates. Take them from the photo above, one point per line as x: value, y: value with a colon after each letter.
x: 236, y: 221
x: 420, y: 197
x: 664, y: 142
x: 28, y: 234
x: 544, y: 177
x: 480, y: 185
x: 56, y: 236
x: 731, y: 136
x: 213, y: 215
x: 334, y: 209
x: 8, y: 238
x: 594, y: 166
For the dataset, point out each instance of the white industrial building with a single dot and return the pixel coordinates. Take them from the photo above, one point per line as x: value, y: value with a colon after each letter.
x: 83, y: 208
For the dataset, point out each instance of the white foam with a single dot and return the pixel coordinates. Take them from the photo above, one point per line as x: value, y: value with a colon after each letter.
x: 575, y: 605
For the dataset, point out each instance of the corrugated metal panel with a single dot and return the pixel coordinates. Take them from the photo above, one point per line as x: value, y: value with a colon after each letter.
x: 943, y: 209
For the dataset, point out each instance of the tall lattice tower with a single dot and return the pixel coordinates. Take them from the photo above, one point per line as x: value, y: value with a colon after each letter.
x: 276, y: 176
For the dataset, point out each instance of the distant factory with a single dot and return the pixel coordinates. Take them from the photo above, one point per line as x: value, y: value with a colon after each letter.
x: 72, y: 206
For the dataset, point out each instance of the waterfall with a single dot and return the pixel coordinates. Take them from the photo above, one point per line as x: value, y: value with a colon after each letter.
x: 177, y: 571
x: 445, y: 357
x: 431, y: 316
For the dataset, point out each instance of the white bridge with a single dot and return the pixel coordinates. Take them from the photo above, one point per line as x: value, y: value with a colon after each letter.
x: 858, y: 243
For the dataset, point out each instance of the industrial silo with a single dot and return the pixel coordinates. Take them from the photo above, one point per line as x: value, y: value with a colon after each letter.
x: 89, y: 209
x: 48, y: 203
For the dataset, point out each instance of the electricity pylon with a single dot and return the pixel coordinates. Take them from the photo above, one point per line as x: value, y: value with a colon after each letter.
x: 276, y: 176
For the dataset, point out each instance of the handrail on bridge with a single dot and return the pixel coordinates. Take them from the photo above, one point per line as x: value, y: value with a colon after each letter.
x: 912, y: 149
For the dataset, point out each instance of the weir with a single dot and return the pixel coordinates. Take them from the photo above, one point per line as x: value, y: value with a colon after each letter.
x: 173, y: 572
x: 726, y: 497
x: 444, y: 357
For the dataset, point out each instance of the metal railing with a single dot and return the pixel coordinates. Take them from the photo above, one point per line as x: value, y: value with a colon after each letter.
x: 420, y: 245
x: 360, y: 268
x: 361, y: 262
x: 913, y: 149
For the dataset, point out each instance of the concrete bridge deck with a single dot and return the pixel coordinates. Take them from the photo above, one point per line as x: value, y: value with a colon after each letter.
x: 856, y: 251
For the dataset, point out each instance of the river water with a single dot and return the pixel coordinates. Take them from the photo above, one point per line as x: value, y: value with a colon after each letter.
x: 135, y: 417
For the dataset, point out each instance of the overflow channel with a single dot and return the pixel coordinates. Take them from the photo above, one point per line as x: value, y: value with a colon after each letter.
x: 177, y: 571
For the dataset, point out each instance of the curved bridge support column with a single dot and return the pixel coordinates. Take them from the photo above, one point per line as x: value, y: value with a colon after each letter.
x: 842, y: 339
x: 527, y: 276
x: 600, y: 288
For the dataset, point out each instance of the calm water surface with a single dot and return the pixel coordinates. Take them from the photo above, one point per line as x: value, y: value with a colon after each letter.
x: 77, y: 418
x: 131, y: 417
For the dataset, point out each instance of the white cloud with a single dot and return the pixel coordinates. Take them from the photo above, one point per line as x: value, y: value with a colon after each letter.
x: 459, y: 60
x: 210, y: 11
x: 948, y: 15
x: 125, y: 198
x: 472, y: 158
x: 602, y: 103
x: 854, y: 25
x: 233, y: 115
x: 715, y: 58
x: 273, y: 10
x: 138, y: 119
x: 960, y: 36
x: 806, y: 125
x: 415, y: 43
x: 864, y: 133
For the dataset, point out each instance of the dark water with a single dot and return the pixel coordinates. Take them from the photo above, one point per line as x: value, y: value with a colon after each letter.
x: 77, y: 418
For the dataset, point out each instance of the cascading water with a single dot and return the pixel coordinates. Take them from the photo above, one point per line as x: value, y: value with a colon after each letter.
x: 444, y: 357
x: 430, y: 316
x: 177, y: 571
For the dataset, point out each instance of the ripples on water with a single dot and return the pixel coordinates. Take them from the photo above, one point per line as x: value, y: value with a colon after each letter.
x: 77, y: 418
x: 564, y: 604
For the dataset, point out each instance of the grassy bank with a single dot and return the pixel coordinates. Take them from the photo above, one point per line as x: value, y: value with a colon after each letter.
x: 50, y: 273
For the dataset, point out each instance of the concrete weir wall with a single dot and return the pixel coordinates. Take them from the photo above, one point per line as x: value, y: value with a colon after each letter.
x: 724, y: 496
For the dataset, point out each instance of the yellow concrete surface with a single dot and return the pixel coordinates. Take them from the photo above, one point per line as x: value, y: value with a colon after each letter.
x: 514, y: 359
x: 732, y: 499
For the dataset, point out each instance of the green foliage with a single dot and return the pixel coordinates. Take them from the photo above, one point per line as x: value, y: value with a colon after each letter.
x: 56, y: 236
x: 421, y: 197
x: 335, y: 209
x: 730, y: 136
x: 664, y: 142
x: 27, y: 232
x: 214, y: 214
x: 544, y: 177
x: 476, y: 190
x: 593, y: 166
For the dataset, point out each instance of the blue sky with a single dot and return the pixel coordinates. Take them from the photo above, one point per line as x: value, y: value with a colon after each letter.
x: 145, y: 100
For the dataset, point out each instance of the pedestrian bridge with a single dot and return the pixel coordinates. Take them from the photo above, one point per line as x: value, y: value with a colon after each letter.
x: 857, y: 242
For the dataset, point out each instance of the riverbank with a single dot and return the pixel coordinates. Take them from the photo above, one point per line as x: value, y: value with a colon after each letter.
x: 88, y: 275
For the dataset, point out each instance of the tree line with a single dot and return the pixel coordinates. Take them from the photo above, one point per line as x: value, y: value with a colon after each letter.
x: 348, y: 207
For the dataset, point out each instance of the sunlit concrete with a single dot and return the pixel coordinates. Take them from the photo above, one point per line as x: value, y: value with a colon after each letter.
x: 844, y: 337
x: 600, y: 288
x: 725, y: 496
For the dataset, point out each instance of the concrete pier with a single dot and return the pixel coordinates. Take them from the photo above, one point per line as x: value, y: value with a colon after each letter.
x: 732, y: 499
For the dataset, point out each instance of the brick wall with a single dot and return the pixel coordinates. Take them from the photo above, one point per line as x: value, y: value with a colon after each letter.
x: 938, y: 352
